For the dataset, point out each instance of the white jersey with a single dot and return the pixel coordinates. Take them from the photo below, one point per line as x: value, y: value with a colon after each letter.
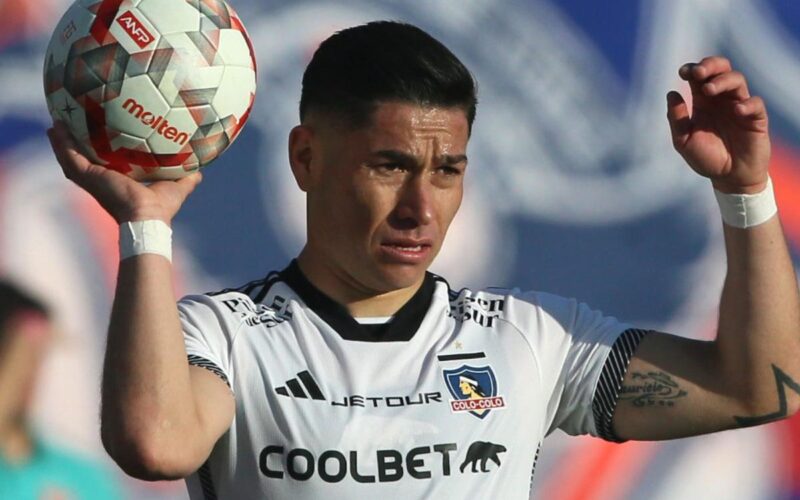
x: 450, y: 399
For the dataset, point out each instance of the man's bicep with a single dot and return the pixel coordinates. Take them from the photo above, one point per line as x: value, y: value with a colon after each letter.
x: 215, y: 405
x: 674, y: 388
x: 207, y: 340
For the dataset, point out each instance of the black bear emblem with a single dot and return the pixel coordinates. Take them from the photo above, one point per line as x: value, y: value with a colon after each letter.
x: 482, y: 451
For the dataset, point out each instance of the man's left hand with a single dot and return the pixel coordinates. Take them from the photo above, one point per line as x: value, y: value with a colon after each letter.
x: 725, y: 136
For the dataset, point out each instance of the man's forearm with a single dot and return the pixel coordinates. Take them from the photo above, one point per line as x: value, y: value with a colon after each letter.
x: 759, y: 324
x: 147, y: 396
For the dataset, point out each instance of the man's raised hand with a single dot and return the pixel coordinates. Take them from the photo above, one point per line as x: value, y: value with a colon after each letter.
x: 725, y: 137
x: 122, y: 197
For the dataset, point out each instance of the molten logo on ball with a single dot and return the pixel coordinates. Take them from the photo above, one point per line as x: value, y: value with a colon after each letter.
x: 135, y: 29
x: 157, y: 123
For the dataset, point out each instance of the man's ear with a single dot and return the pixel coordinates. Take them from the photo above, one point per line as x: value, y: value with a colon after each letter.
x: 301, y: 154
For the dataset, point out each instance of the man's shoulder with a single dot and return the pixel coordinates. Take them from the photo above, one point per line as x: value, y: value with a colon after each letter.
x: 513, y: 304
x: 239, y: 301
x: 492, y: 292
x: 252, y: 289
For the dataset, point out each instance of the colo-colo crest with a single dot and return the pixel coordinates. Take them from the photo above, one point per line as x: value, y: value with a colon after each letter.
x: 473, y: 390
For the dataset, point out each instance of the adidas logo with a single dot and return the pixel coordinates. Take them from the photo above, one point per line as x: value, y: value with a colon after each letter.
x: 296, y: 385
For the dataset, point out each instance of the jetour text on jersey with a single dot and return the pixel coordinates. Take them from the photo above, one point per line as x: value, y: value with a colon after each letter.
x: 389, y: 401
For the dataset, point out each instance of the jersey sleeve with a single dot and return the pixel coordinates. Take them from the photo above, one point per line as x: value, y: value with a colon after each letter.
x: 584, y: 356
x: 207, y: 335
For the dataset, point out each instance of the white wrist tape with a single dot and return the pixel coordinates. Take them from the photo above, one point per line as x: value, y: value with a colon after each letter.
x: 145, y: 236
x: 747, y: 210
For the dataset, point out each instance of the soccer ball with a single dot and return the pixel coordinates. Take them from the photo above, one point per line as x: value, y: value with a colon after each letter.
x: 154, y: 89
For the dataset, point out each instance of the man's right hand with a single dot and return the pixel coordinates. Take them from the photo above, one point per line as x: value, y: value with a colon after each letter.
x: 121, y: 196
x: 160, y: 418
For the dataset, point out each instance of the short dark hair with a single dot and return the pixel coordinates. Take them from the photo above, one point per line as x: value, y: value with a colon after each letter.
x: 14, y: 301
x: 356, y: 68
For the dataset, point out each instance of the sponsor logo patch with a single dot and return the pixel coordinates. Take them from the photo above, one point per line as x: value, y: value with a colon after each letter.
x: 135, y: 29
x: 474, y: 390
x: 158, y: 123
x: 304, y: 386
x: 296, y: 385
x: 382, y: 466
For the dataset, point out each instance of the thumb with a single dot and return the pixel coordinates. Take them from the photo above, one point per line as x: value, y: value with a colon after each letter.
x: 174, y: 193
x: 680, y: 123
x: 187, y: 185
x: 190, y: 182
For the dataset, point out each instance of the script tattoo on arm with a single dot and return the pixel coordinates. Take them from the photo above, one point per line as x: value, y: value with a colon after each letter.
x: 651, y: 389
x: 782, y: 381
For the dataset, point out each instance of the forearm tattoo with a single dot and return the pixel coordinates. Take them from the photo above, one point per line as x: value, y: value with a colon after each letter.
x: 652, y: 389
x: 782, y: 381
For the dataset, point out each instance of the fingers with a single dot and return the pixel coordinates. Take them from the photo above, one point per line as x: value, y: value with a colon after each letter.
x: 680, y: 123
x: 122, y: 196
x: 753, y: 107
x: 707, y: 68
x: 698, y: 73
x: 754, y: 110
x: 72, y: 162
x: 731, y: 83
x: 713, y: 77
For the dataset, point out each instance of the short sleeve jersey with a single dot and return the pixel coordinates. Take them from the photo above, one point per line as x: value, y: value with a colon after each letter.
x: 450, y: 399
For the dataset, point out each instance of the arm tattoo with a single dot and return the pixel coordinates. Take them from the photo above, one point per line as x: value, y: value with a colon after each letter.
x: 782, y: 381
x: 651, y: 389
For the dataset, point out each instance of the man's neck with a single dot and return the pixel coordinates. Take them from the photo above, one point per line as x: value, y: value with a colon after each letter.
x: 359, y: 300
x: 386, y: 304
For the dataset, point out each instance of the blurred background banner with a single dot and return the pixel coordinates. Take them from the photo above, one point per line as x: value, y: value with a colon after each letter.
x: 573, y: 188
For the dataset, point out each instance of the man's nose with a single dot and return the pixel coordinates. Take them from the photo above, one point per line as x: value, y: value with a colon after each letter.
x: 415, y: 207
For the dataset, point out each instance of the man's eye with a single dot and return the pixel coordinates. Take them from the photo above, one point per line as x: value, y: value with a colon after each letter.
x: 390, y: 167
x: 449, y: 170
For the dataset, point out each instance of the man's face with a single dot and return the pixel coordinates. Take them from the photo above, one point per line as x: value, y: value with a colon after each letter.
x: 384, y: 195
x: 24, y: 343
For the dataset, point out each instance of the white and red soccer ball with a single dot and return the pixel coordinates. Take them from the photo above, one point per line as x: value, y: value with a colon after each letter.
x: 152, y: 88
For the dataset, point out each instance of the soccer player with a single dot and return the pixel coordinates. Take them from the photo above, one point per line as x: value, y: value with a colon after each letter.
x: 32, y: 467
x: 339, y: 376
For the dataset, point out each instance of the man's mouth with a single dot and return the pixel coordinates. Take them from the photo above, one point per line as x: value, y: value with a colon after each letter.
x: 406, y: 250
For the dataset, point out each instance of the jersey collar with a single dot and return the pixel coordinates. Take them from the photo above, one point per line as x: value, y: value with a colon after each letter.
x: 402, y: 326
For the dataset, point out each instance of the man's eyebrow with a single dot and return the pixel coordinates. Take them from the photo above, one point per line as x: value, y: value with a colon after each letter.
x: 395, y: 156
x: 453, y: 159
x: 401, y: 157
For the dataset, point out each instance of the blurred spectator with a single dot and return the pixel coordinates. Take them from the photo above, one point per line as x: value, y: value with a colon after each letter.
x: 31, y: 468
